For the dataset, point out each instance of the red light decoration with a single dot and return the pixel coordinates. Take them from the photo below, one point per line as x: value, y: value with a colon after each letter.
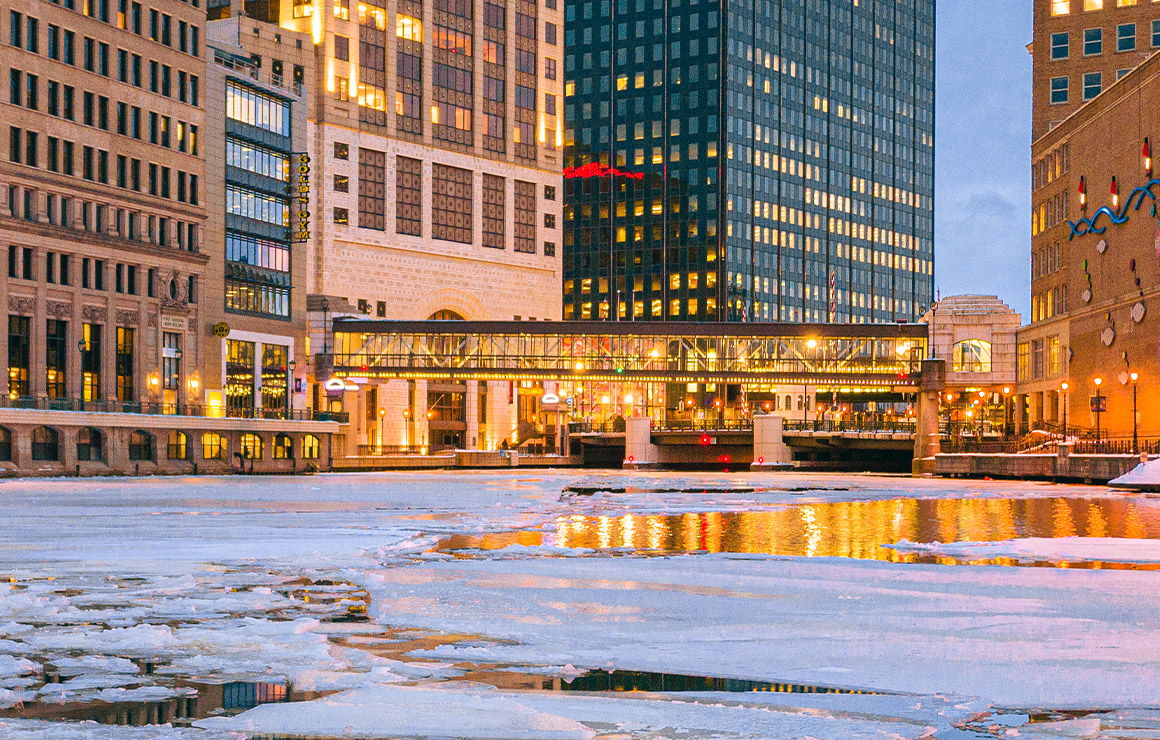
x: 1147, y: 154
x: 1083, y: 192
x: 761, y: 461
x: 724, y: 458
x: 631, y: 459
x: 1115, y: 191
x: 706, y: 439
x: 595, y: 169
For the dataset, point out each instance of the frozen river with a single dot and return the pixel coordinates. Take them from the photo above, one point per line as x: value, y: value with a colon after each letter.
x: 576, y: 605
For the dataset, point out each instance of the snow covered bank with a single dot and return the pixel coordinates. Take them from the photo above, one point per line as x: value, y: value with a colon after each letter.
x: 1144, y: 477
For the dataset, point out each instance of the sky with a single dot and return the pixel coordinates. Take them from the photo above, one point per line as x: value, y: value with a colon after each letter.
x: 982, y: 230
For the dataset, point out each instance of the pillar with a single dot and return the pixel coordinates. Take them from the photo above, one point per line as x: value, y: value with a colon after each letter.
x: 770, y: 452
x: 639, y: 451
x: 926, y: 434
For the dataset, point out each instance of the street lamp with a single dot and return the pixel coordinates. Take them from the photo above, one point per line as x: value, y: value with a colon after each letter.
x: 382, y: 421
x: 1063, y: 390
x: 1098, y: 382
x: 1007, y: 411
x: 290, y: 388
x: 1135, y: 422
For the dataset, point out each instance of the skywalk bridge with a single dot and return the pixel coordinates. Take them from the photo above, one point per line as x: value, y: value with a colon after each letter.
x: 667, y: 362
x: 825, y: 356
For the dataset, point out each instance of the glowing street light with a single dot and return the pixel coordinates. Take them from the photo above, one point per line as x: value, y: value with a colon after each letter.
x: 1099, y: 407
x: 1135, y: 422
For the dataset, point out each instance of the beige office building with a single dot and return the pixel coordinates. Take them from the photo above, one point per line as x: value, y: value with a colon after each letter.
x: 436, y: 141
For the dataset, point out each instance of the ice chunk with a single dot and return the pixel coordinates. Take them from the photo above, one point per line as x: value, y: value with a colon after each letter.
x: 1143, y: 477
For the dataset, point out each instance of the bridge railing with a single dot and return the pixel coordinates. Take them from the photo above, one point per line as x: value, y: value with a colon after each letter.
x: 703, y: 425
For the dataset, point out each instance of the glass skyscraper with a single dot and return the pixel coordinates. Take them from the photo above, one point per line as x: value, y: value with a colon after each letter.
x: 749, y: 160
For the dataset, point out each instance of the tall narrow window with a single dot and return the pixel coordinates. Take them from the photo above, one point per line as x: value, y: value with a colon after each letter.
x: 239, y: 377
x: 55, y: 357
x: 125, y: 338
x: 19, y: 355
x: 493, y: 211
x: 525, y: 217
x: 451, y: 211
x: 91, y: 362
x: 372, y: 185
x: 274, y: 359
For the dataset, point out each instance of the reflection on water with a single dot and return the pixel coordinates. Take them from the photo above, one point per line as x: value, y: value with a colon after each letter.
x: 851, y: 529
x: 601, y: 680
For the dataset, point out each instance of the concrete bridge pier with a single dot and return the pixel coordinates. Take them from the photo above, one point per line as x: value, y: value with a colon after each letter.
x: 926, y: 435
x: 770, y: 452
x: 639, y: 451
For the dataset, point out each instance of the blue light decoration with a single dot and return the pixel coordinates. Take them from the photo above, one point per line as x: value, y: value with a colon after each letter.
x: 1133, y: 202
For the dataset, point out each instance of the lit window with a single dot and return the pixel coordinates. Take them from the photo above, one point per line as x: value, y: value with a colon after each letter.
x: 1060, y: 45
x: 1093, y: 83
x: 1126, y: 37
x: 1093, y: 41
x: 1093, y: 4
x: 409, y: 28
x: 1058, y: 90
x: 1126, y: 3
x: 1060, y: 7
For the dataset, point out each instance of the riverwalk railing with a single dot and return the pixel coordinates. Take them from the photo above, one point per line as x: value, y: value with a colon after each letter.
x: 169, y: 409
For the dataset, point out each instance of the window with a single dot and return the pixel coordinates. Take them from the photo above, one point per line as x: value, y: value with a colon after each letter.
x: 91, y: 358
x: 408, y: 196
x: 341, y: 150
x: 1155, y: 33
x: 1126, y: 37
x: 341, y: 184
x: 311, y: 447
x: 213, y: 446
x: 6, y: 444
x: 972, y: 356
x: 257, y: 109
x: 19, y: 355
x: 141, y: 446
x: 525, y: 217
x: 250, y: 446
x: 1093, y: 4
x: 451, y: 204
x: 89, y: 445
x: 493, y: 211
x: 1060, y: 45
x: 257, y: 206
x: 1092, y: 84
x: 341, y: 216
x: 124, y: 363
x: 1093, y: 41
x: 457, y: 42
x: 257, y: 159
x: 1058, y: 90
x: 45, y: 444
x: 257, y: 252
x: 372, y: 187
x: 275, y: 359
x: 409, y: 28
x: 283, y: 447
x: 55, y: 358
x: 176, y: 446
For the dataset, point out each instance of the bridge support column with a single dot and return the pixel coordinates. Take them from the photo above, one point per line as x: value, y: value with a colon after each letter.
x: 639, y: 451
x: 926, y: 435
x: 770, y: 452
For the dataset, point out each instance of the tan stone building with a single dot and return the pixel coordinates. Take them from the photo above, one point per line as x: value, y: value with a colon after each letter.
x: 436, y: 135
x: 103, y: 217
x: 1081, y: 47
x: 1096, y: 264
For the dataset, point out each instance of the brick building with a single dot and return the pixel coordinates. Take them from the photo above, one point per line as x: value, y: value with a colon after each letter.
x: 1095, y: 263
x: 1081, y: 48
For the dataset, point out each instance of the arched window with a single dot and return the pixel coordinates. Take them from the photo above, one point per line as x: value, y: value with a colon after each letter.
x: 213, y: 446
x: 141, y: 445
x: 89, y: 445
x: 45, y: 444
x: 6, y: 444
x: 251, y: 447
x: 283, y: 447
x: 176, y: 446
x: 972, y: 356
x: 446, y: 314
x: 788, y: 403
x: 311, y: 447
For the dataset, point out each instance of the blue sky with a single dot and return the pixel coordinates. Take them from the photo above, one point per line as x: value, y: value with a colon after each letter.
x: 982, y: 226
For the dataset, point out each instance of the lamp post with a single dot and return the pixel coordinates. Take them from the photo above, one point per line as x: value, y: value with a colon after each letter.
x: 290, y: 389
x: 1135, y: 422
x: 1098, y: 382
x: 1063, y: 390
x: 1007, y: 421
x: 382, y: 424
x: 82, y: 348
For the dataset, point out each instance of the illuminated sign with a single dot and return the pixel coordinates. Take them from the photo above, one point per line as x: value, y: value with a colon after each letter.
x: 1132, y: 203
x: 595, y: 169
x: 302, y: 225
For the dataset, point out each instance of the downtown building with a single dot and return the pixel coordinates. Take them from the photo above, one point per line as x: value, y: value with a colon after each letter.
x: 1095, y: 276
x: 114, y: 248
x: 749, y: 161
x: 434, y: 134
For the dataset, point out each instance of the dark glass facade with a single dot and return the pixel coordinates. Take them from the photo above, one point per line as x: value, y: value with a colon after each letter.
x: 756, y: 160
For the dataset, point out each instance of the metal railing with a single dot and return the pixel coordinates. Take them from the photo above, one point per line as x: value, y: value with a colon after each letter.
x: 703, y: 425
x: 1115, y: 447
x: 387, y: 450
x: 905, y: 426
x: 169, y: 409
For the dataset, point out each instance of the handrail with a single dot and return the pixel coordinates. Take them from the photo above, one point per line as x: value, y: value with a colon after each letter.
x: 169, y: 409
